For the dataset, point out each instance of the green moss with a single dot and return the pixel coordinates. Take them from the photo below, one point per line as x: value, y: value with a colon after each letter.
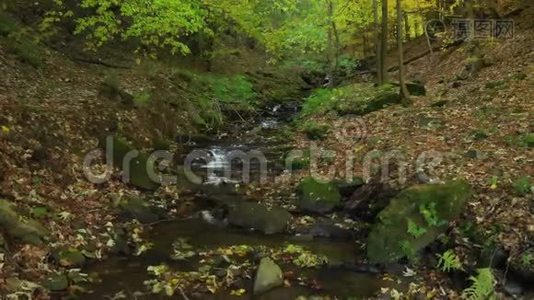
x: 357, y: 99
x: 414, y: 219
x: 142, y: 98
x: 318, y: 196
x: 18, y: 227
x: 25, y: 49
x: 314, y: 130
x: 523, y: 185
x: 7, y: 24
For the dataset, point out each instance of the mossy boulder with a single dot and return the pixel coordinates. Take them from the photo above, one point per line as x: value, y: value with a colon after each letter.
x: 414, y: 219
x: 259, y: 217
x: 316, y: 196
x: 370, y: 99
x: 137, y: 208
x: 138, y: 166
x: 268, y: 276
x: 20, y: 228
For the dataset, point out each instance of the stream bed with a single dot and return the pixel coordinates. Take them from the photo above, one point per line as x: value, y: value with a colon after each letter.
x: 340, y: 277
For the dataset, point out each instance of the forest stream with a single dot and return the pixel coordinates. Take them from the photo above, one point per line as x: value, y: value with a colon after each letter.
x: 340, y: 277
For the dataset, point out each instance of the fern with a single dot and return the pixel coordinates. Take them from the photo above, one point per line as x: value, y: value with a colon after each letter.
x: 482, y: 287
x: 449, y: 261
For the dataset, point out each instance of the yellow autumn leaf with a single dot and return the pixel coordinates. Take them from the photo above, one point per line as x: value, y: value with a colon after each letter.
x: 5, y: 129
x: 239, y: 292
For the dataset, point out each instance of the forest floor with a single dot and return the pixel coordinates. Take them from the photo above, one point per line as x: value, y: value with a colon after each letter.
x: 53, y: 115
x: 475, y: 126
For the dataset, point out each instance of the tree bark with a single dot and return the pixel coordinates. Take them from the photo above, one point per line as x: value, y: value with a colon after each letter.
x: 378, y: 55
x: 384, y: 41
x: 403, y: 90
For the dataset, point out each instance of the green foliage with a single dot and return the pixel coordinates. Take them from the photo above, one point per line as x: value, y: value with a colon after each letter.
x: 527, y: 259
x: 320, y: 101
x: 235, y: 90
x: 296, y: 160
x: 430, y: 214
x: 449, y: 261
x: 358, y: 99
x: 22, y: 44
x: 7, y: 24
x: 482, y: 287
x: 155, y: 24
x: 142, y: 98
x: 523, y: 185
x: 414, y: 229
x: 528, y: 140
x: 314, y: 130
x: 214, y: 94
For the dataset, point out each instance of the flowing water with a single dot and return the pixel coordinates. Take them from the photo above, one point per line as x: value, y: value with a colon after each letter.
x: 339, y: 278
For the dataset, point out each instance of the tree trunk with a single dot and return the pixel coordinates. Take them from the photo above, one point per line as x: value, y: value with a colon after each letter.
x: 332, y: 60
x: 407, y: 27
x: 377, y: 44
x: 405, y: 95
x: 384, y: 41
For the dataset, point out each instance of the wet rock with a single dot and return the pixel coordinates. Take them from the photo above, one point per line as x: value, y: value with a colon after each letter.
x: 319, y: 197
x: 15, y: 226
x: 523, y: 266
x: 137, y: 208
x: 56, y: 282
x: 513, y: 288
x: 325, y: 229
x: 268, y: 276
x: 367, y: 201
x: 259, y: 217
x: 136, y: 167
x: 347, y: 188
x: 493, y: 256
x: 414, y: 219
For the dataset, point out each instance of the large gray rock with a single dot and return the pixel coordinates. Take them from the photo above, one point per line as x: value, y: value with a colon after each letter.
x: 319, y: 197
x: 268, y: 276
x: 15, y: 226
x: 259, y: 217
x: 415, y: 218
